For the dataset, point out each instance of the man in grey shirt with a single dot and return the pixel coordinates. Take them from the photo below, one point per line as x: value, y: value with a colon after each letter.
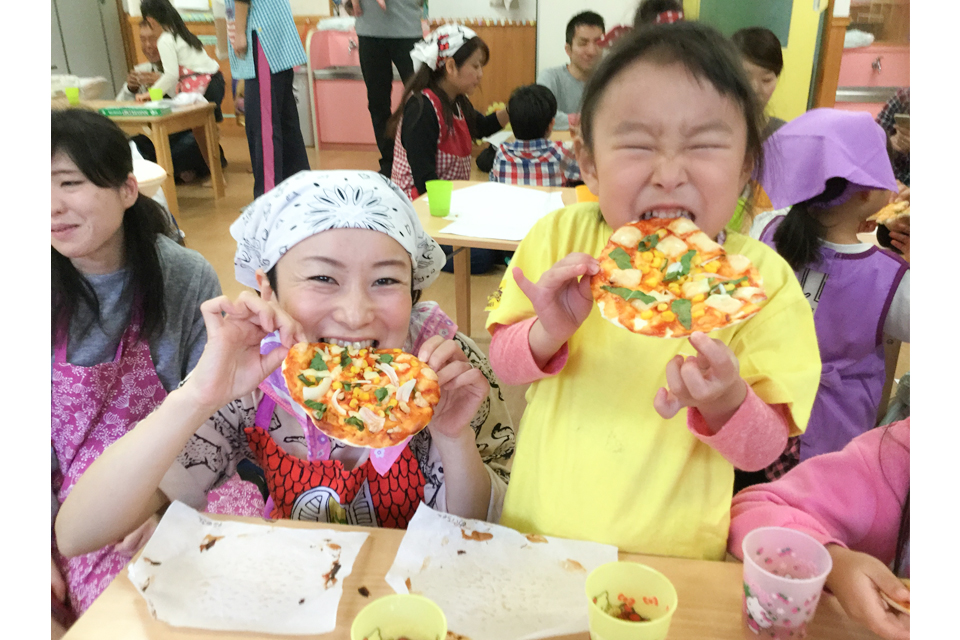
x: 386, y: 36
x: 584, y: 32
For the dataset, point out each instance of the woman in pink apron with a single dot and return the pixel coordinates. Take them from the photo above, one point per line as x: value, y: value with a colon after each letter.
x: 125, y: 318
x: 338, y: 256
x: 436, y: 125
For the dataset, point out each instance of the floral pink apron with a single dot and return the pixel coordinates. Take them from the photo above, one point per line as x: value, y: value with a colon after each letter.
x: 91, y: 408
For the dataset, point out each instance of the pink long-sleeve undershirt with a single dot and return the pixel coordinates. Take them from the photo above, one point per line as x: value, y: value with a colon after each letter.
x: 750, y: 440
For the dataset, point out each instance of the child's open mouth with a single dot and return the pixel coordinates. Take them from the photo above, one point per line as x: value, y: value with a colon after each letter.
x: 668, y: 213
x: 352, y: 344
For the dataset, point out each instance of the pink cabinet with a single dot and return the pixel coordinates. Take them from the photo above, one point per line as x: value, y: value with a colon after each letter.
x: 339, y: 95
x: 875, y: 66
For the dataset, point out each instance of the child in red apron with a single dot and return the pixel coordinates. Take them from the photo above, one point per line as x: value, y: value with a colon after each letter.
x: 435, y: 127
x: 122, y: 292
x: 338, y: 256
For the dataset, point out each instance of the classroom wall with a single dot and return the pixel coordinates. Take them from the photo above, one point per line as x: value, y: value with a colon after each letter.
x: 527, y: 9
x: 299, y: 7
x: 793, y: 90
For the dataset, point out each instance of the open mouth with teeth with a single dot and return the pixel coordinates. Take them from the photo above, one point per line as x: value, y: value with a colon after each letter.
x: 352, y: 344
x: 668, y: 213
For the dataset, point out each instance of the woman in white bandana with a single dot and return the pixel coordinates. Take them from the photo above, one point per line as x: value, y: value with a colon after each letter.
x: 338, y: 256
x: 435, y: 125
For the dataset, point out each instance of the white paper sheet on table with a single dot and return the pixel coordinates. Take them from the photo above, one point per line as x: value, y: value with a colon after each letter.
x: 234, y: 576
x: 499, y: 137
x: 509, y: 587
x: 499, y: 211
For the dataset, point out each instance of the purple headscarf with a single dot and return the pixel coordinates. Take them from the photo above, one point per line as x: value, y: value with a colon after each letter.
x: 822, y: 144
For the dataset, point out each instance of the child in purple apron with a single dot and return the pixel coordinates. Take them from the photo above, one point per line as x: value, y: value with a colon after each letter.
x: 338, y: 256
x: 831, y: 168
x: 126, y: 323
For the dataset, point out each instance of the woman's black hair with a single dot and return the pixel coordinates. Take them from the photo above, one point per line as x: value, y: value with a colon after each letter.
x: 648, y: 10
x: 272, y: 279
x: 102, y: 153
x: 903, y: 532
x: 797, y: 239
x: 761, y: 47
x: 169, y: 18
x: 705, y: 54
x: 426, y: 78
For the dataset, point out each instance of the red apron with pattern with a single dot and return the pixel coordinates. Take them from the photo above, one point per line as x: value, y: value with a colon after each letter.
x: 325, y: 491
x: 192, y: 82
x: 91, y: 408
x: 454, y: 148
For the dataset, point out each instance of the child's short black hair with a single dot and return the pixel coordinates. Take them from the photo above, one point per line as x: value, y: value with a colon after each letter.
x: 761, y: 47
x: 706, y: 54
x: 531, y: 108
x: 584, y: 19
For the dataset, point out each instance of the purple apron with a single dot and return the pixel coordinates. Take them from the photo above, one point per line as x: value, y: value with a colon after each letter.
x: 91, y: 408
x: 850, y: 295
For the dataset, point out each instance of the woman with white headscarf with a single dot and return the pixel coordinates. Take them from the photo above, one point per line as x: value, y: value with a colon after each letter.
x: 435, y: 126
x: 338, y: 256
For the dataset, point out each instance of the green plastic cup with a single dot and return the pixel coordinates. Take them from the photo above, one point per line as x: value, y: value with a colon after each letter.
x: 653, y: 596
x: 156, y: 94
x: 400, y: 615
x: 73, y: 95
x: 439, y: 192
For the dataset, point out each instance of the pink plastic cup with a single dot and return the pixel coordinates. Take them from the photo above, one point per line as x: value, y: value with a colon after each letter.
x: 783, y: 575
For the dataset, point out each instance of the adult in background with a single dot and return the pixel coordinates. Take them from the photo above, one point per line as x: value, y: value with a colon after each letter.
x: 898, y: 135
x: 584, y: 32
x: 386, y: 33
x: 658, y: 12
x: 762, y: 59
x: 264, y: 48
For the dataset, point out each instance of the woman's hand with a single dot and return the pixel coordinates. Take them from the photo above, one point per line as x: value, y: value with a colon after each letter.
x: 709, y: 381
x: 462, y: 387
x: 900, y: 140
x: 240, y: 44
x: 134, y: 541
x: 900, y: 235
x: 903, y: 193
x: 142, y: 97
x: 231, y: 365
x: 857, y: 579
x: 58, y: 586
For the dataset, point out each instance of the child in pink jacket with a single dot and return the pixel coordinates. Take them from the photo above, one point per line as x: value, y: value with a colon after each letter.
x: 856, y: 502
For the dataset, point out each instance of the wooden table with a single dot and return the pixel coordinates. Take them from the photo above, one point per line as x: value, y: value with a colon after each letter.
x: 198, y: 118
x: 709, y: 595
x: 462, y: 245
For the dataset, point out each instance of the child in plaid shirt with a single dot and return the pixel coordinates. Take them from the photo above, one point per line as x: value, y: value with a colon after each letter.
x: 534, y: 159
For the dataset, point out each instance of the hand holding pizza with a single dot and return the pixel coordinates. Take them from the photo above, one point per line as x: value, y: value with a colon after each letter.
x: 709, y: 381
x: 231, y: 365
x: 462, y: 387
x: 561, y: 298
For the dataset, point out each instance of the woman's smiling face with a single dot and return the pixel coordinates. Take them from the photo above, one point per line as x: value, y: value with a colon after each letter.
x: 348, y: 286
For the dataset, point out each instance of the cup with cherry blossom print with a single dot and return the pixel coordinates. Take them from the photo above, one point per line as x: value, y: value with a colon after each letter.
x: 783, y: 575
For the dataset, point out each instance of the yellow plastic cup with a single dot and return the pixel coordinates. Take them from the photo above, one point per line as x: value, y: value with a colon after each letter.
x: 439, y: 192
x: 585, y: 195
x: 73, y: 95
x: 400, y: 615
x: 655, y: 598
x: 156, y: 94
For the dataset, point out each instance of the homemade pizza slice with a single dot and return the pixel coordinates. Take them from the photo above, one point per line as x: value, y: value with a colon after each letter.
x: 664, y: 277
x: 891, y: 212
x: 364, y: 397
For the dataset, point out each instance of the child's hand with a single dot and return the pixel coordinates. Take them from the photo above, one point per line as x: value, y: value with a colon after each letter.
x: 462, y: 387
x: 857, y: 580
x: 709, y: 381
x: 903, y: 193
x: 231, y: 365
x: 900, y: 235
x: 561, y: 298
x: 135, y: 540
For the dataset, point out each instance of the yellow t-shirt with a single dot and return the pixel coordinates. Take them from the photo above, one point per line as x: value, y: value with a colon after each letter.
x: 594, y: 460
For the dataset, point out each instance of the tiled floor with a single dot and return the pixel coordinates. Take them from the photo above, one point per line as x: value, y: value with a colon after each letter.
x: 206, y: 224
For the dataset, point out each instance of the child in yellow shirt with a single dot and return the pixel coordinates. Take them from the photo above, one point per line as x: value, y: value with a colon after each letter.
x: 670, y: 127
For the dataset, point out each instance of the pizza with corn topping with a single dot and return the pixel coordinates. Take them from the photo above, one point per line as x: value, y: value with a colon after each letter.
x: 365, y: 397
x: 666, y: 278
